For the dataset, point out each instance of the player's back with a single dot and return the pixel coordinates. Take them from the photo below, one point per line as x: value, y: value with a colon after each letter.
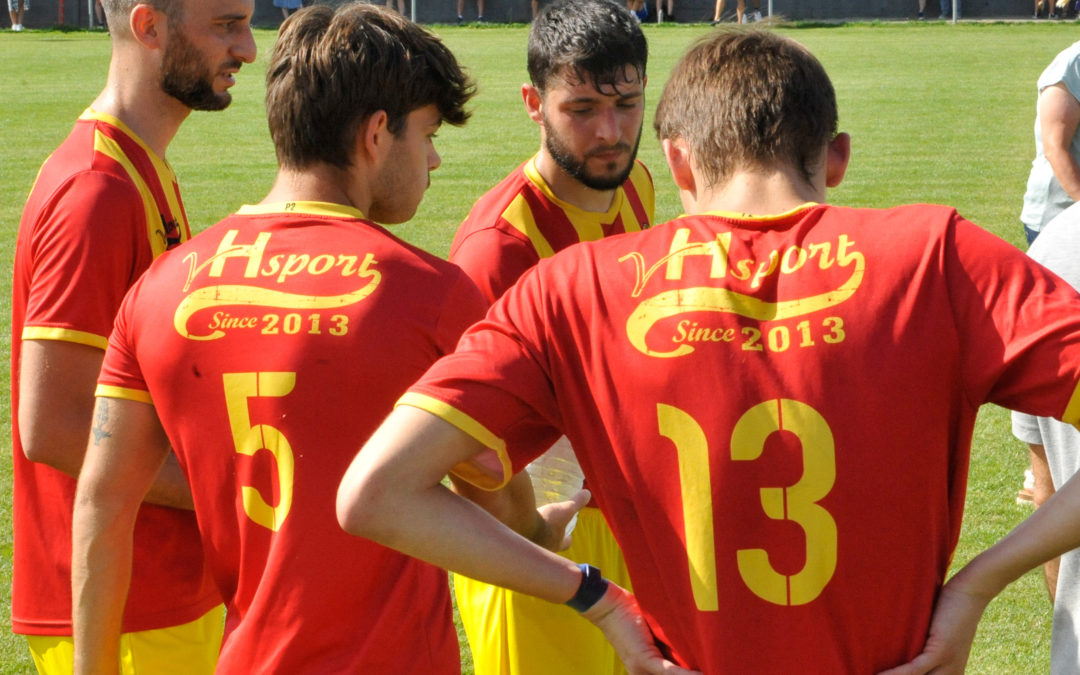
x: 272, y: 346
x: 775, y: 415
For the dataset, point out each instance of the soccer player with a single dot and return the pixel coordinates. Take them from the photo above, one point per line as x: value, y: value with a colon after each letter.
x: 772, y: 398
x: 266, y: 349
x: 586, y: 63
x: 105, y: 203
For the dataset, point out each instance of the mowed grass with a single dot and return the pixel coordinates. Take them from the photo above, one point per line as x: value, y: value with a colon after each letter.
x: 938, y: 113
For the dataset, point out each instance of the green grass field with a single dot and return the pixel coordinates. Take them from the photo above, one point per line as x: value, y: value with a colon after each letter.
x: 932, y: 118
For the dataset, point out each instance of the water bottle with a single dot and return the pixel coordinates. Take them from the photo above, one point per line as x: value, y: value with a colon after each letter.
x: 556, y: 476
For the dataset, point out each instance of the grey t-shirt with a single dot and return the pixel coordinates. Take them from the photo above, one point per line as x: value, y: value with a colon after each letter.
x: 1058, y: 248
x: 1044, y: 198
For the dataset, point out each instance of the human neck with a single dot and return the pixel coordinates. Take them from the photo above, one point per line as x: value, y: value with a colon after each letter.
x: 569, y: 189
x: 134, y: 96
x: 757, y: 193
x: 318, y: 183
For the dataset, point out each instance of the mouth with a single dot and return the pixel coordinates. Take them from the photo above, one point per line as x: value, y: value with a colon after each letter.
x: 228, y: 73
x: 612, y: 154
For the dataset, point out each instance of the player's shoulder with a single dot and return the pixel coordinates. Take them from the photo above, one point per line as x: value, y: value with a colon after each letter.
x: 639, y: 174
x: 488, y: 209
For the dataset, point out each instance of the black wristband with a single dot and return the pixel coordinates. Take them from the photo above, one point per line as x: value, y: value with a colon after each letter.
x: 592, y: 588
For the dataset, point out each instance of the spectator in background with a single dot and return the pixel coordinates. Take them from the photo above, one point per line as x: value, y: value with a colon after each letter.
x: 16, y: 10
x: 1050, y: 7
x: 400, y: 6
x: 287, y: 7
x: 740, y: 12
x: 1055, y: 455
x: 1054, y: 182
x: 669, y: 13
x: 461, y: 10
x: 638, y: 9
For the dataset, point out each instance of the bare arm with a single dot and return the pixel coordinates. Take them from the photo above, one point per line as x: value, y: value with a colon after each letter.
x: 392, y: 494
x: 56, y: 406
x: 514, y: 505
x: 1059, y: 116
x: 1044, y: 489
x: 121, y: 464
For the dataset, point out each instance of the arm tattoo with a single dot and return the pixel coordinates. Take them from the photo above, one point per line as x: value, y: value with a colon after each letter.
x: 101, y: 418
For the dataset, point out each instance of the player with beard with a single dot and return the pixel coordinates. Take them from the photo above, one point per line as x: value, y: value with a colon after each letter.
x: 104, y: 205
x: 586, y: 63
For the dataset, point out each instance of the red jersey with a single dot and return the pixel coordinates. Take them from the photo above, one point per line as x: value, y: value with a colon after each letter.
x: 520, y: 221
x: 272, y: 346
x: 103, y: 206
x: 775, y: 413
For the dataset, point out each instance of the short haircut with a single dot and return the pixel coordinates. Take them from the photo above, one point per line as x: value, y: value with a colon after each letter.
x: 597, y: 38
x: 748, y: 99
x: 118, y: 11
x: 330, y: 70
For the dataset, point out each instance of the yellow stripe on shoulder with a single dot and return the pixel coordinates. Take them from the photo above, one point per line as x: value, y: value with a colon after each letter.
x: 155, y: 230
x: 110, y: 391
x: 520, y: 216
x: 477, y: 471
x: 65, y: 335
x: 643, y: 184
x: 166, y: 175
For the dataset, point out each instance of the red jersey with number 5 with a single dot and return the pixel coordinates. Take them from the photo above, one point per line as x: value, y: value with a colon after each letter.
x: 775, y: 414
x: 272, y: 346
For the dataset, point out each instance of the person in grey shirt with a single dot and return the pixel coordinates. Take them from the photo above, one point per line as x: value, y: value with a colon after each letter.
x: 1054, y: 182
x: 1055, y: 452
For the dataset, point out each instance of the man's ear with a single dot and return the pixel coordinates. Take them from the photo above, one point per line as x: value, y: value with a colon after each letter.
x: 837, y: 156
x: 373, y: 137
x: 532, y: 99
x: 148, y: 26
x: 678, y: 160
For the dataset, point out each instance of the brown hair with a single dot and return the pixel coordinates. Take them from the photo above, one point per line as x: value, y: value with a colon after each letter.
x: 748, y: 99
x: 331, y: 69
x: 118, y: 11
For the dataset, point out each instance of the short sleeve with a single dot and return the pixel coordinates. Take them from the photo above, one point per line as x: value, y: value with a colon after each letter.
x: 86, y: 255
x: 1017, y: 323
x: 496, y: 386
x: 1064, y: 69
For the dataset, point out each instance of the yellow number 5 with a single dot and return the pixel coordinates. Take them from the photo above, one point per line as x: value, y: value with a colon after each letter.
x: 248, y: 440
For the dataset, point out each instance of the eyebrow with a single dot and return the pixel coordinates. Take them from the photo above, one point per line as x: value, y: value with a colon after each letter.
x: 600, y: 96
x: 236, y: 16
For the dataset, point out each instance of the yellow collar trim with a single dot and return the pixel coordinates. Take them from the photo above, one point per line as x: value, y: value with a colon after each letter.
x: 302, y: 207
x: 608, y: 216
x: 766, y: 218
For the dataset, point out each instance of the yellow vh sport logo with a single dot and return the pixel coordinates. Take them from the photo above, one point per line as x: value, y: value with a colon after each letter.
x: 680, y: 301
x: 278, y: 269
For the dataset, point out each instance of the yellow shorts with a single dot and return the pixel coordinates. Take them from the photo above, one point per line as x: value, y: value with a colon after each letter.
x: 188, y: 649
x: 514, y: 634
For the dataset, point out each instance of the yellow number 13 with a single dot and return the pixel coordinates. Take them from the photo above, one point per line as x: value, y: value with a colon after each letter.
x: 797, y: 503
x: 248, y: 440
